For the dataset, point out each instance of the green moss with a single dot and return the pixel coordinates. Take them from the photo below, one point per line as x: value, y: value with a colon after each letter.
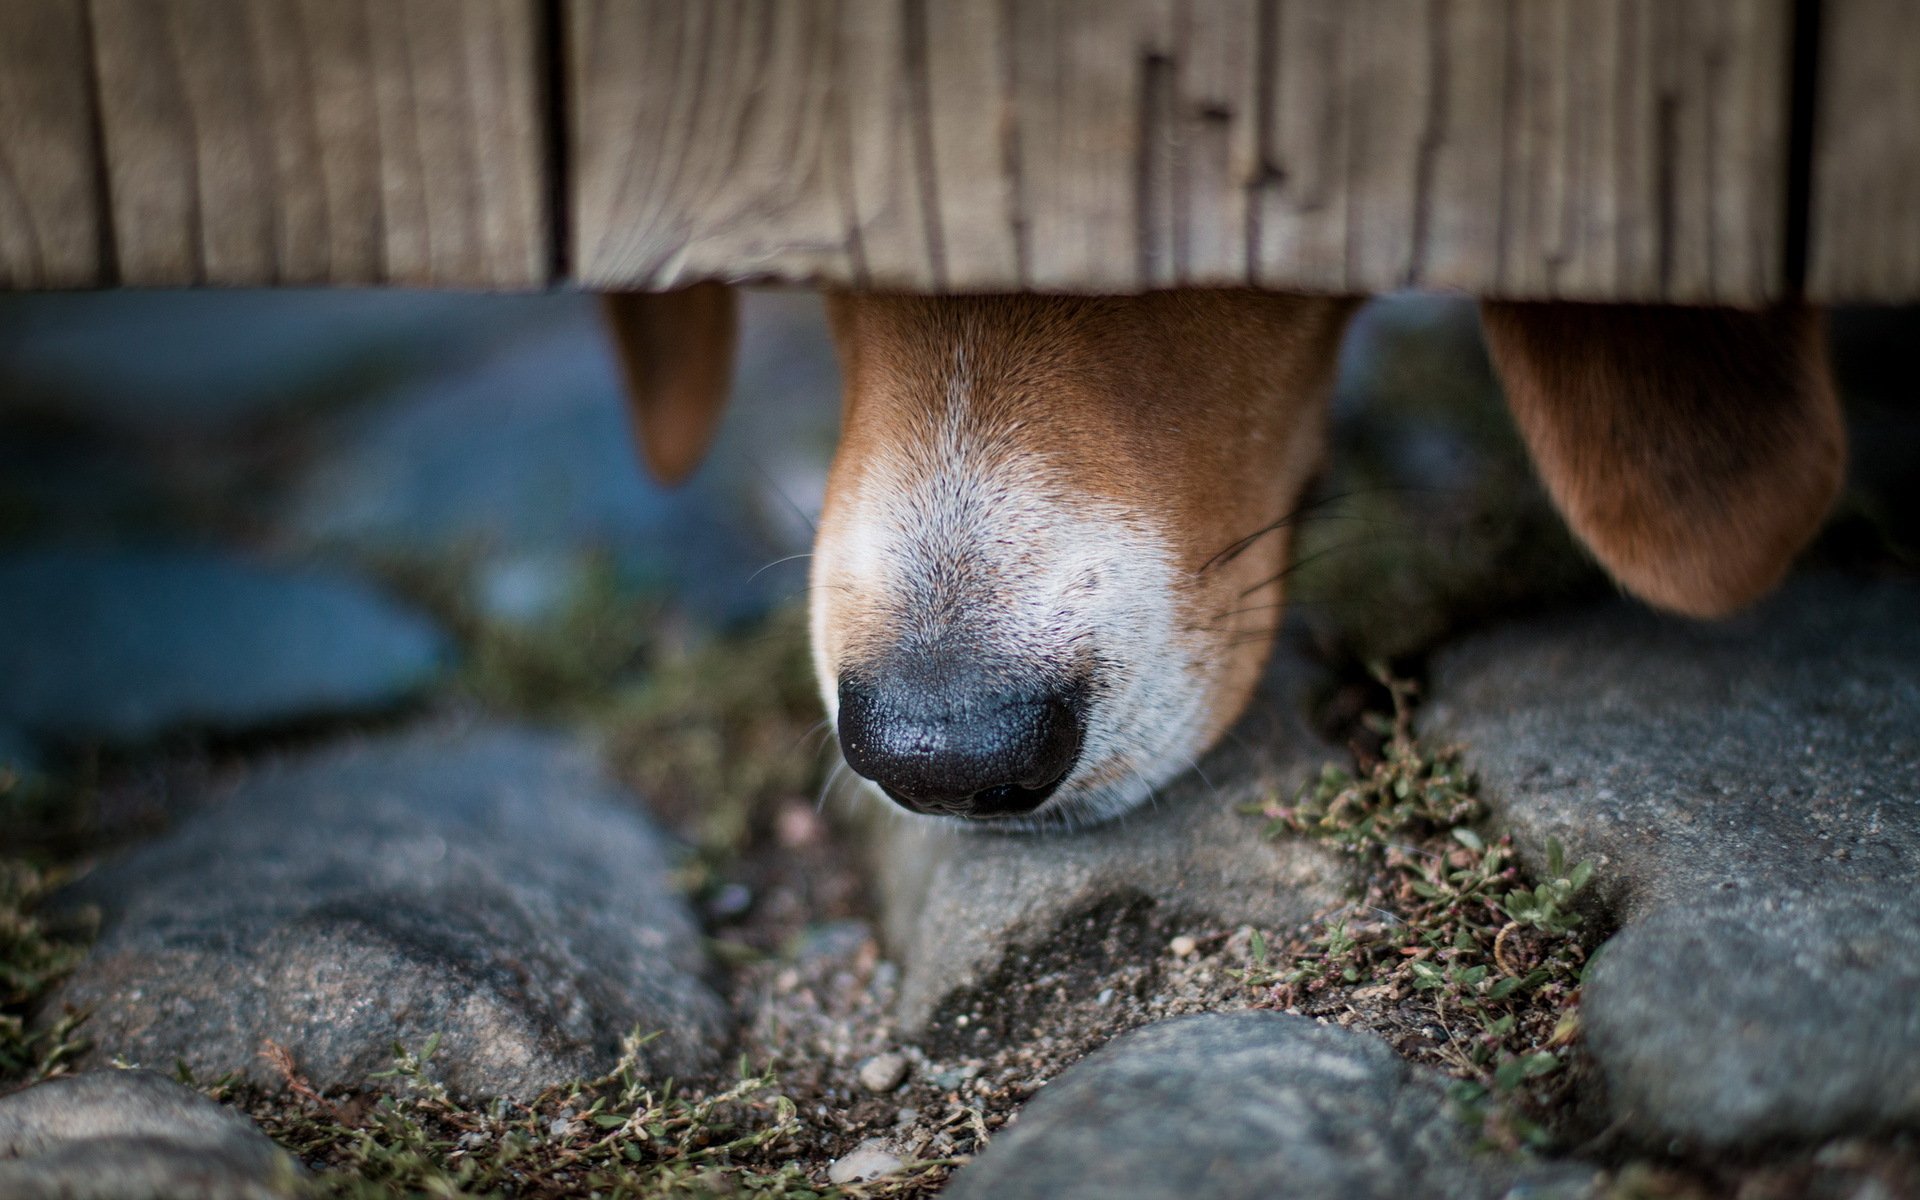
x: 618, y: 1136
x: 36, y: 951
x: 1449, y: 925
x: 571, y: 662
x: 715, y: 734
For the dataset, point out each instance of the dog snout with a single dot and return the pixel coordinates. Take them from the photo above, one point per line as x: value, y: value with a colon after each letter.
x: 961, y: 744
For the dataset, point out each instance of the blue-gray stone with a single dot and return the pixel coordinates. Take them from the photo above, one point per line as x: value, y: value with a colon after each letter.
x: 134, y: 1135
x: 527, y: 454
x: 202, y: 360
x: 490, y: 886
x: 1777, y: 750
x: 128, y: 644
x: 1749, y: 792
x: 1248, y: 1106
x: 526, y: 589
x: 1746, y: 1021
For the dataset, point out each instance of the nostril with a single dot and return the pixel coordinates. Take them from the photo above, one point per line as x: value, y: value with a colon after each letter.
x: 962, y: 743
x: 863, y: 726
x: 1062, y: 723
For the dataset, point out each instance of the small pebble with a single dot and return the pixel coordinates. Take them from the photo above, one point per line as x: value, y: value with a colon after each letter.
x: 799, y: 825
x: 1104, y: 998
x: 869, y: 1160
x: 883, y: 1072
x: 1182, y: 946
x: 731, y: 900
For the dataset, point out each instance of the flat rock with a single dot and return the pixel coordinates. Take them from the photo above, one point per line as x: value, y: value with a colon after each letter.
x: 1749, y: 793
x: 1245, y: 1107
x: 207, y: 359
x: 128, y: 644
x: 526, y: 456
x: 489, y: 886
x: 962, y: 908
x: 1745, y: 1021
x: 134, y: 1135
x: 1777, y: 751
x: 869, y: 1160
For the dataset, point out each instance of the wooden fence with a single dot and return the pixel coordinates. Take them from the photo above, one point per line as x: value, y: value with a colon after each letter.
x: 1729, y: 151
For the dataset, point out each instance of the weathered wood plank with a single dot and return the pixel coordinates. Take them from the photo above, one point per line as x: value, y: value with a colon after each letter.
x: 709, y: 141
x: 1599, y: 149
x: 1864, y: 223
x: 969, y: 68
x: 325, y: 141
x: 50, y: 203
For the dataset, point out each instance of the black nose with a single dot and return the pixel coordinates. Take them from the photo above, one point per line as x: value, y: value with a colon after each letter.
x: 962, y: 743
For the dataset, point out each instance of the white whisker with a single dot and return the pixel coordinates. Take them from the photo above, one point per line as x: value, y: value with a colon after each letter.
x: 776, y: 562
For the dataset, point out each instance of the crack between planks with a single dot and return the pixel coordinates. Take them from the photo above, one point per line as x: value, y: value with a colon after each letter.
x: 1010, y: 146
x: 1266, y: 58
x: 1156, y: 82
x: 1432, y: 136
x: 920, y: 99
x: 1509, y: 108
x: 107, y: 239
x: 1803, y: 94
x: 840, y: 115
x: 1666, y: 132
x: 556, y: 102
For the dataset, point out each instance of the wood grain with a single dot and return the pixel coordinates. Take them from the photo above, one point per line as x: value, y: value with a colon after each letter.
x: 1592, y: 149
x: 1864, y: 221
x: 50, y: 204
x: 1586, y: 149
x: 324, y: 141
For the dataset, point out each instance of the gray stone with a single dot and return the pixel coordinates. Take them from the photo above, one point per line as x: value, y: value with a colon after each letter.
x: 869, y: 1160
x: 883, y: 1072
x: 134, y: 1135
x: 124, y: 644
x: 526, y: 589
x: 1779, y: 750
x: 528, y: 452
x: 1743, y: 1021
x: 1245, y: 1107
x: 1749, y: 793
x: 963, y: 907
x: 489, y: 886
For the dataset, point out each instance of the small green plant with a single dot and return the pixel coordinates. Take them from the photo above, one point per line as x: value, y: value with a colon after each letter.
x: 1406, y: 791
x: 570, y: 660
x: 620, y: 1135
x: 715, y: 734
x: 1449, y: 922
x: 36, y: 951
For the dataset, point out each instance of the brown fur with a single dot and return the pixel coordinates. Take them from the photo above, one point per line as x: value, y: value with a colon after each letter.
x: 676, y: 354
x: 1203, y: 410
x: 1694, y: 451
